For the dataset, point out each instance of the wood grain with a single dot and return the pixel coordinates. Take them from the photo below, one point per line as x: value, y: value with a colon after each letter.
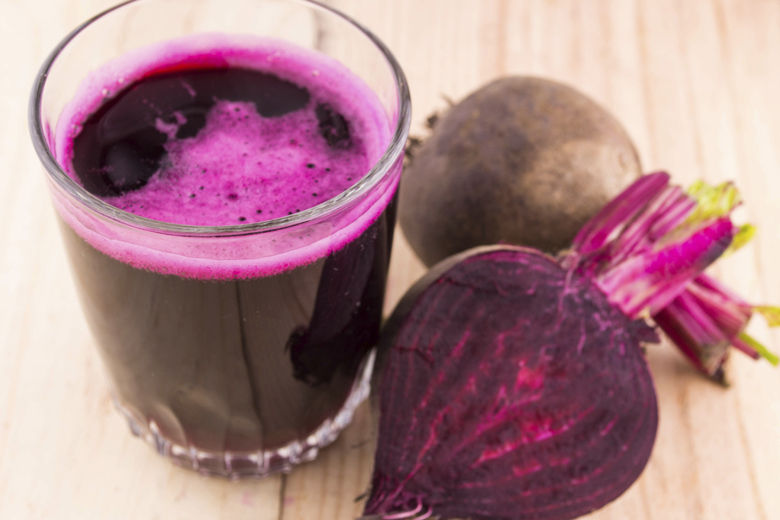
x: 694, y: 82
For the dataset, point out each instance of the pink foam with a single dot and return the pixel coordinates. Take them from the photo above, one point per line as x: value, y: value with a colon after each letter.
x: 242, y: 167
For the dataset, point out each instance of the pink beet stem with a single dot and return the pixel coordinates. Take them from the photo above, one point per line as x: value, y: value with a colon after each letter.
x: 647, y: 250
x: 652, y: 280
x: 638, y: 236
x: 596, y: 232
x: 674, y: 327
x: 744, y: 347
x: 730, y: 315
x: 673, y: 216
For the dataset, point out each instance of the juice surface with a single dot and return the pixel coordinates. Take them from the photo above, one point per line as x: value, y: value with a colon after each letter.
x: 218, y: 146
x: 208, y: 132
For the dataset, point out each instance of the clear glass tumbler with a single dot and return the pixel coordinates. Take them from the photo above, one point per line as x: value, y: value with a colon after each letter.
x: 236, y: 350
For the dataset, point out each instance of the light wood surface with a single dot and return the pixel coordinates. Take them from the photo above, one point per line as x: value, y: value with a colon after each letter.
x: 695, y: 82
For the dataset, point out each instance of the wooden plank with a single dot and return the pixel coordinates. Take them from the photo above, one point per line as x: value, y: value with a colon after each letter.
x: 694, y: 83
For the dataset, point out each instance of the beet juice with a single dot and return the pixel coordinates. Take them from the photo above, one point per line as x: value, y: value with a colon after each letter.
x: 234, y: 309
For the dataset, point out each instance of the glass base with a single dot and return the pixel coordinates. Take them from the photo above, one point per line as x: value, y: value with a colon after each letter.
x: 235, y: 465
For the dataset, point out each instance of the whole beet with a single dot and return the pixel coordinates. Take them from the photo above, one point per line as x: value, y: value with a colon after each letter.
x: 522, y: 160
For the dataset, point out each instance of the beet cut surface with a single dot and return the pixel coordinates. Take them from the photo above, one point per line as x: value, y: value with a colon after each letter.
x: 511, y: 389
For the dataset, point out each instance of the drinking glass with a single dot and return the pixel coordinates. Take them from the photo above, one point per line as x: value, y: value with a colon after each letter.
x: 235, y: 350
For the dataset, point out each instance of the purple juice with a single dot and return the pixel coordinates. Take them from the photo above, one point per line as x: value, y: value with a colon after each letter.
x: 225, y: 350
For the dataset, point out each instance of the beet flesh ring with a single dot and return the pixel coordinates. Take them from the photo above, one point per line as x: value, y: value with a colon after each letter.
x: 510, y: 389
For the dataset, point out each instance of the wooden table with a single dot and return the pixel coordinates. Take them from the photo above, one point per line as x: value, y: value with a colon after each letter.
x: 694, y: 81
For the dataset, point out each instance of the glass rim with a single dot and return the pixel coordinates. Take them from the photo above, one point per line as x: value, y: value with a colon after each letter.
x: 381, y: 167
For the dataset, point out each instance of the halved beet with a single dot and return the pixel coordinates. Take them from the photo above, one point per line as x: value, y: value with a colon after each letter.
x: 513, y: 385
x: 512, y: 389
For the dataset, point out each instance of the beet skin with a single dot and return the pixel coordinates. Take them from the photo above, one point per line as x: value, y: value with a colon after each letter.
x: 522, y: 160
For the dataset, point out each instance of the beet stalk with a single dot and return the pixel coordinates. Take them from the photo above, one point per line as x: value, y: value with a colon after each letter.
x: 514, y: 385
x: 704, y: 318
